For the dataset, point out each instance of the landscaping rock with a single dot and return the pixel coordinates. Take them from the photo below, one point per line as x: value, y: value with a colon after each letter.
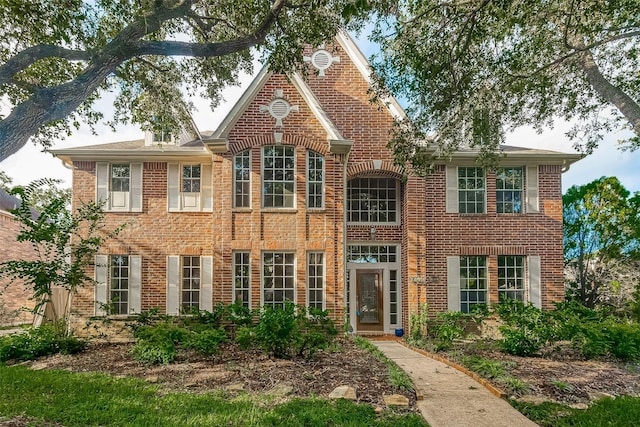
x: 581, y: 406
x: 235, y: 387
x: 395, y: 400
x: 536, y: 400
x: 597, y: 395
x: 153, y: 379
x: 280, y: 390
x: 343, y: 392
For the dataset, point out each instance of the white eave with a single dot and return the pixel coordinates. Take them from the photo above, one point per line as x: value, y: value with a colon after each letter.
x: 166, y: 153
x: 510, y: 155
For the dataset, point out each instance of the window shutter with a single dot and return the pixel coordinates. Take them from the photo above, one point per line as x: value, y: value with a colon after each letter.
x: 453, y: 283
x: 535, y: 291
x: 206, y: 285
x: 532, y: 190
x: 136, y: 188
x: 101, y: 270
x: 135, y: 283
x: 102, y: 183
x: 451, y: 179
x: 173, y: 285
x: 173, y: 187
x: 206, y: 189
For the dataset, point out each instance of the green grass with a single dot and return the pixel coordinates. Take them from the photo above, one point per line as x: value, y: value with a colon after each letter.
x: 74, y: 399
x: 620, y: 412
x: 397, y: 377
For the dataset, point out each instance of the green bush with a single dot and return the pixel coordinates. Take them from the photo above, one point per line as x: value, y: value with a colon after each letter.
x: 38, y: 342
x: 157, y: 343
x: 526, y: 328
x: 447, y: 327
x: 206, y: 341
x: 293, y: 331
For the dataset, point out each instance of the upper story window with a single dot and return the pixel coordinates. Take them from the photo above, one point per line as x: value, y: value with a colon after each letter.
x: 278, y: 176
x: 120, y: 185
x: 315, y: 180
x: 242, y: 179
x: 509, y: 189
x: 162, y: 137
x: 189, y: 187
x: 471, y: 190
x: 373, y: 200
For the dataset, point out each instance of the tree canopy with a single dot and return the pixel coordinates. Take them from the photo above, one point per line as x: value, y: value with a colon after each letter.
x: 601, y: 228
x: 58, y: 56
x: 472, y: 70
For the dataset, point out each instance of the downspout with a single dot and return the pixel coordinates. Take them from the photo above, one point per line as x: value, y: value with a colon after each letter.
x: 344, y: 240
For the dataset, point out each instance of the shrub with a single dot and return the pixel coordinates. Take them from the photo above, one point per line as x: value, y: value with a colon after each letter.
x: 157, y: 343
x: 447, y: 327
x: 206, y: 341
x: 526, y: 328
x: 38, y: 342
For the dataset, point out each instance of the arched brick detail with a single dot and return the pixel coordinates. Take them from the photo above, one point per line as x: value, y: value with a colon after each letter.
x: 387, y: 169
x: 258, y: 141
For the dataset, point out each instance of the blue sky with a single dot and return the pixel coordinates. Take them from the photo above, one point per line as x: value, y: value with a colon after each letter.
x: 30, y: 163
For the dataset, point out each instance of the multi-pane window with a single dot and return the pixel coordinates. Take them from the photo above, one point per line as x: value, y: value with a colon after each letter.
x: 372, y: 200
x: 241, y: 179
x: 119, y: 273
x: 511, y: 277
x: 120, y: 177
x: 473, y: 282
x: 509, y: 185
x: 278, y: 176
x: 241, y: 278
x: 278, y: 277
x: 191, y: 178
x: 190, y: 282
x: 315, y: 179
x: 315, y: 280
x: 471, y: 190
x: 394, y: 297
x: 371, y: 253
x: 162, y: 136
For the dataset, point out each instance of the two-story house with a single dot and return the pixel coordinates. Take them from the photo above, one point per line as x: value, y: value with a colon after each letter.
x: 295, y: 197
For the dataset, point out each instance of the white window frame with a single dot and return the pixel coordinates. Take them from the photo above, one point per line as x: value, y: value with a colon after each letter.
x: 278, y: 278
x: 465, y: 190
x: 179, y: 200
x: 242, y: 182
x: 103, y: 287
x: 397, y: 202
x: 175, y: 281
x: 291, y: 197
x: 470, y: 272
x: 312, y: 195
x: 516, y: 206
x: 119, y: 201
x: 512, y: 279
x: 243, y: 279
x: 316, y: 283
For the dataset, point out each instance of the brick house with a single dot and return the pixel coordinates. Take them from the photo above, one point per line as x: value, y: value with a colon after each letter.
x: 14, y: 297
x: 295, y: 197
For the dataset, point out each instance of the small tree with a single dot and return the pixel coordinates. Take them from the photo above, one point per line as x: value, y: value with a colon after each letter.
x: 65, y: 243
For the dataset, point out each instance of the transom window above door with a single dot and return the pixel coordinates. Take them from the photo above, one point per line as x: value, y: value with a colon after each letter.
x: 373, y: 200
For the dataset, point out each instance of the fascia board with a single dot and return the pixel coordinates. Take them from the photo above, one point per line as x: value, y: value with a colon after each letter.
x: 68, y: 156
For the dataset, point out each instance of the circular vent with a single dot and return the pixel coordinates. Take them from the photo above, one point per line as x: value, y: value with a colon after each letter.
x: 321, y: 59
x: 279, y: 108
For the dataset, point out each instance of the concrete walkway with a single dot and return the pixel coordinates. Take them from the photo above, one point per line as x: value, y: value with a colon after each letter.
x: 451, y: 398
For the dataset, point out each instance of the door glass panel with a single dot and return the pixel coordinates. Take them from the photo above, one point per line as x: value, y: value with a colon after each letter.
x: 369, y: 288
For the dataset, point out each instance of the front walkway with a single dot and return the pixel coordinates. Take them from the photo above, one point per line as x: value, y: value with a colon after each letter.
x: 451, y: 398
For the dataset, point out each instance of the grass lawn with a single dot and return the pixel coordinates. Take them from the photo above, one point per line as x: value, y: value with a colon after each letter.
x: 620, y: 412
x: 73, y: 399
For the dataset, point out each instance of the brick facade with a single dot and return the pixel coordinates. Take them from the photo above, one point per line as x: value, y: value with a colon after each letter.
x: 424, y: 236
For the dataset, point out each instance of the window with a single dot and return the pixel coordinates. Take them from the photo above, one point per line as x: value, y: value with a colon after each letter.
x: 315, y: 280
x: 471, y: 190
x: 120, y: 186
x: 315, y: 179
x: 278, y: 176
x: 119, y: 284
x: 372, y: 200
x: 509, y: 184
x: 241, y: 179
x: 241, y: 278
x: 190, y: 282
x: 278, y: 277
x: 473, y: 282
x: 394, y: 297
x: 511, y: 278
x: 371, y: 254
x: 191, y: 178
x: 162, y: 136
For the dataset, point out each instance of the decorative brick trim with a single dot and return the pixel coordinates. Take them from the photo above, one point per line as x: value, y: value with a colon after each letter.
x: 321, y: 147
x: 386, y: 169
x: 155, y: 166
x: 84, y: 166
x: 492, y: 250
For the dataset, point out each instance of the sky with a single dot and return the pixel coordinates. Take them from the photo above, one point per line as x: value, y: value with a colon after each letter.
x: 31, y: 163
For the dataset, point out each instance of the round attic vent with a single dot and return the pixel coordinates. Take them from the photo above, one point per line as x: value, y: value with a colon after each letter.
x: 321, y: 59
x: 279, y: 108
